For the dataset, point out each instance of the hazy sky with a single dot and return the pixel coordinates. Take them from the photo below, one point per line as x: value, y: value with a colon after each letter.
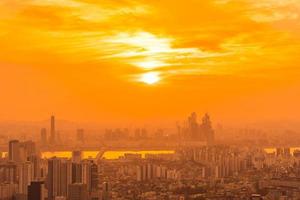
x: 127, y: 60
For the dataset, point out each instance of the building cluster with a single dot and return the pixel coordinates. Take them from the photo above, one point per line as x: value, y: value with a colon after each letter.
x: 116, y: 134
x: 133, y: 135
x: 24, y: 175
x: 208, y: 172
x: 190, y: 172
x: 187, y: 174
x: 54, y: 137
x: 193, y: 131
x: 219, y: 161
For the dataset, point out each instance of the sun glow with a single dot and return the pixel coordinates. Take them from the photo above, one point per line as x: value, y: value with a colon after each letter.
x: 151, y: 64
x: 150, y: 78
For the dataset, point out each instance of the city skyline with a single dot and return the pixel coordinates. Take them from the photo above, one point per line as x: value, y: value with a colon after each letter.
x: 149, y: 100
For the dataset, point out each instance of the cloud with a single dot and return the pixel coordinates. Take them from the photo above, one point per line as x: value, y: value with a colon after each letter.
x: 216, y: 36
x: 150, y: 52
x: 267, y: 10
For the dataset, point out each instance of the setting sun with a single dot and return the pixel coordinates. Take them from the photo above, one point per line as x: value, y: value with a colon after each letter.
x: 150, y: 78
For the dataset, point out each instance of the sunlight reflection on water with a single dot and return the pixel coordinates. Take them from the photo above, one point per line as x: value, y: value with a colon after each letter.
x: 107, y: 155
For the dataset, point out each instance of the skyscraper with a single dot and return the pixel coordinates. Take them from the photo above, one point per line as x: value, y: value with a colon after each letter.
x: 36, y: 162
x: 14, y: 150
x: 94, y: 177
x: 90, y: 175
x: 36, y: 191
x: 59, y: 177
x: 52, y: 130
x: 65, y: 176
x: 53, y: 178
x: 193, y: 126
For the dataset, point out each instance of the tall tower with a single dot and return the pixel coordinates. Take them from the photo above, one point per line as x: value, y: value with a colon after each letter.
x: 52, y: 130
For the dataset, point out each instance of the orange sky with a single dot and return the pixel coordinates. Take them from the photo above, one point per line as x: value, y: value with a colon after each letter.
x: 93, y: 60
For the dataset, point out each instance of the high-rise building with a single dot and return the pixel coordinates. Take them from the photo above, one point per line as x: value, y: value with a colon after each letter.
x: 208, y: 132
x: 76, y: 172
x: 36, y: 191
x: 8, y: 173
x: 14, y: 150
x: 43, y: 136
x: 65, y: 176
x: 105, y: 191
x: 94, y: 182
x: 27, y: 148
x: 52, y: 130
x: 36, y: 162
x: 144, y: 172
x: 139, y: 173
x: 25, y: 177
x: 193, y: 126
x: 147, y: 172
x: 86, y: 173
x: 199, y: 132
x: 150, y: 170
x: 59, y: 177
x: 54, y: 167
x: 90, y: 175
x: 77, y: 191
